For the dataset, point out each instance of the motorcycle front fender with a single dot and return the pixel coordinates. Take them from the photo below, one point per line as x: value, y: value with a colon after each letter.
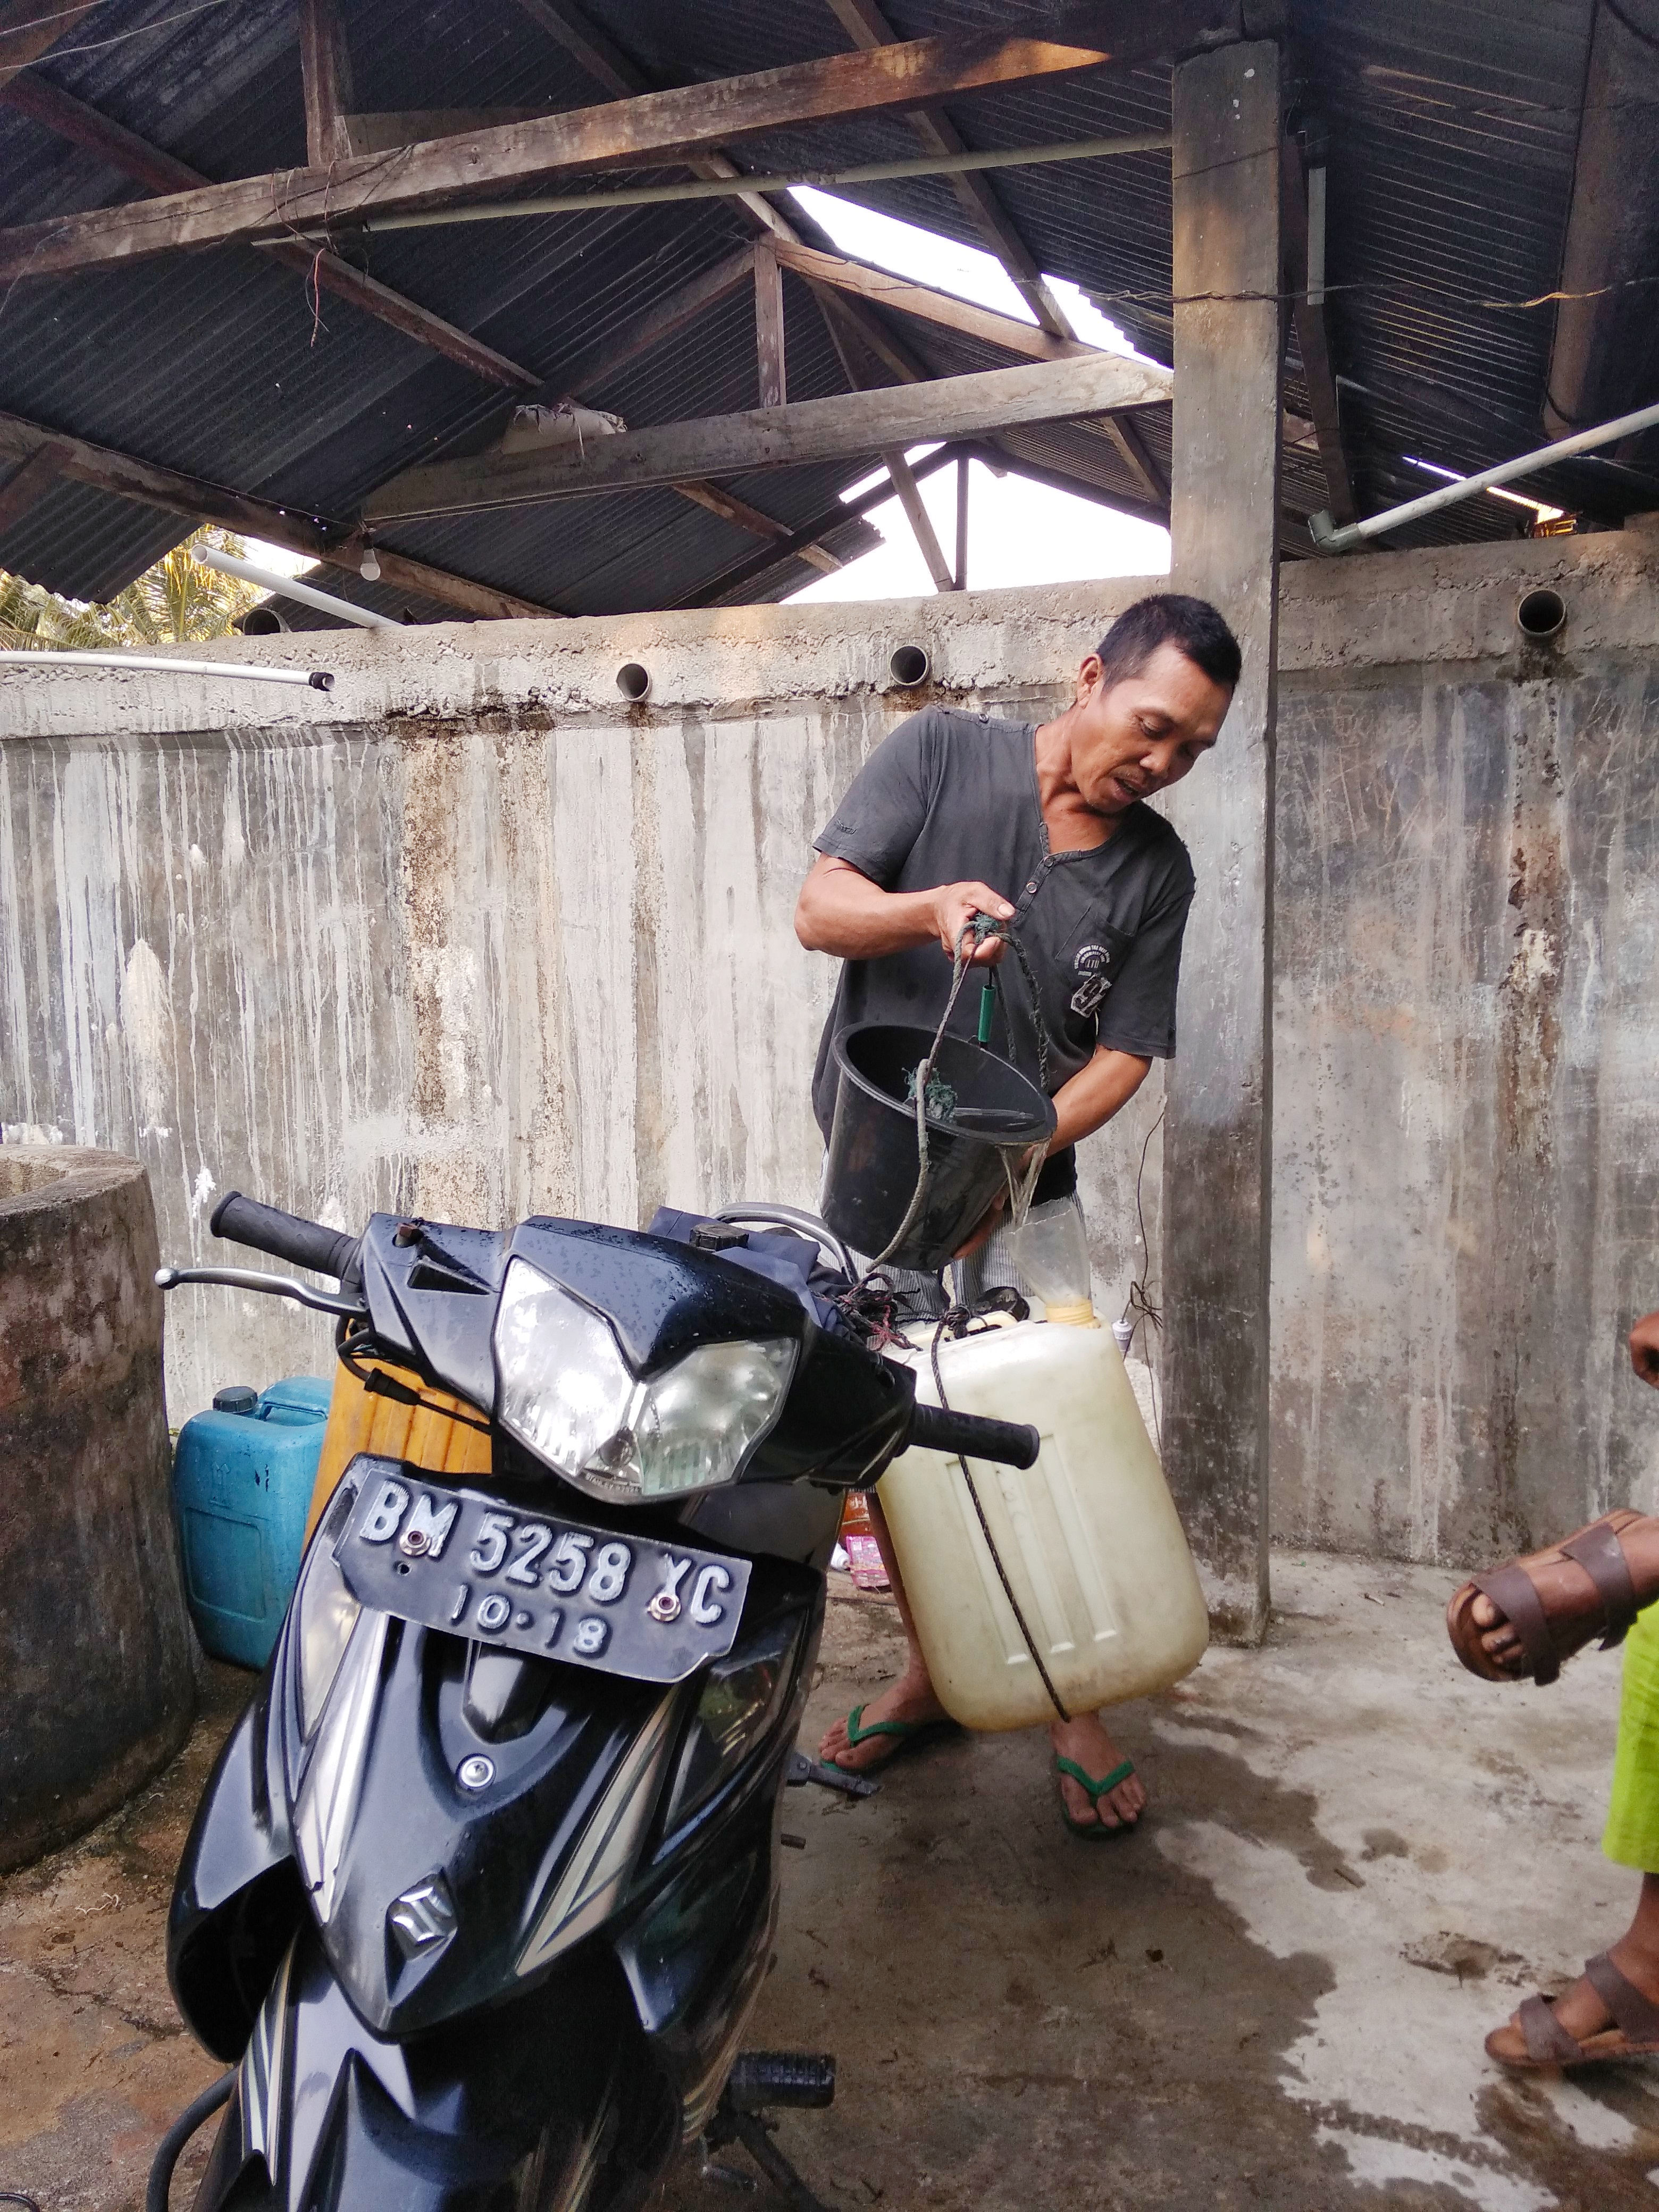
x: 238, y: 1900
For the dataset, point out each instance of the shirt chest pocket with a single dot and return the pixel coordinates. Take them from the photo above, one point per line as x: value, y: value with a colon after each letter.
x: 1092, y: 966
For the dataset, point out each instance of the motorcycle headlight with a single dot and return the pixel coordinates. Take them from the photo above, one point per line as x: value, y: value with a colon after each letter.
x: 568, y: 1393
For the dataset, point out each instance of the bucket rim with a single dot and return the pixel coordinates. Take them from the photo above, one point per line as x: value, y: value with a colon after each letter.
x: 1039, y: 1130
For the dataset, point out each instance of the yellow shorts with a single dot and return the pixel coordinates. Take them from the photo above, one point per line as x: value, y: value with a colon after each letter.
x: 1631, y: 1836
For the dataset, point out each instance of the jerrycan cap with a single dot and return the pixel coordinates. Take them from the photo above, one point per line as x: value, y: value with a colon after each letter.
x: 236, y: 1398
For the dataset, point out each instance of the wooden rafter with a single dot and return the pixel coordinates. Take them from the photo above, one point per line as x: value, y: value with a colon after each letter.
x: 839, y: 428
x: 655, y: 126
x: 833, y: 276
x: 123, y: 149
x: 866, y: 26
x: 199, y: 501
x: 901, y: 476
x: 757, y: 565
x: 844, y: 311
x: 1313, y: 339
x: 878, y: 288
x: 325, y: 78
x: 730, y: 509
x: 769, y: 324
x: 57, y: 110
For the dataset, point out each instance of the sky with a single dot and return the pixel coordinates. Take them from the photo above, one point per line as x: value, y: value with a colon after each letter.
x: 1018, y: 532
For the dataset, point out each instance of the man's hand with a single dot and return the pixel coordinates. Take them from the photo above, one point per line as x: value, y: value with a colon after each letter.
x: 842, y: 912
x: 1644, y: 1348
x: 955, y: 906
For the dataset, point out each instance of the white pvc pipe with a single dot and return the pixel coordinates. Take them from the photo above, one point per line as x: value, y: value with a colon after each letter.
x: 320, y: 679
x: 1329, y: 539
x: 704, y: 188
x: 290, y: 588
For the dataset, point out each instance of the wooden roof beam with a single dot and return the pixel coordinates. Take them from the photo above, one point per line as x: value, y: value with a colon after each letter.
x: 840, y: 428
x: 383, y: 132
x: 123, y: 149
x: 197, y: 500
x: 651, y: 127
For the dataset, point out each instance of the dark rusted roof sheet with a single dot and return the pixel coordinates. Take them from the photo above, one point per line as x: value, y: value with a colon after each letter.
x: 1451, y: 127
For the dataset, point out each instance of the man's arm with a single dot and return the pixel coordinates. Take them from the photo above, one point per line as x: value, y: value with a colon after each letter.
x: 842, y: 913
x: 1095, y: 1093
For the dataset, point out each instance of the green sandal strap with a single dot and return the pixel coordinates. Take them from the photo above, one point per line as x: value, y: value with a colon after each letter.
x: 1096, y: 1790
x: 855, y: 1734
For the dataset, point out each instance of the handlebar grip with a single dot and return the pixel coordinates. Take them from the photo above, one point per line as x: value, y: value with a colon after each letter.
x: 1014, y: 1444
x: 285, y: 1235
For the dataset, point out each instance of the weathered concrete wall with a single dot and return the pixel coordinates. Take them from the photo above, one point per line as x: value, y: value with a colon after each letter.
x: 468, y: 936
x: 1467, y: 1051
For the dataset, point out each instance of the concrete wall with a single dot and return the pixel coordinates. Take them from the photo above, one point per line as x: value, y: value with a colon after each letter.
x: 469, y: 936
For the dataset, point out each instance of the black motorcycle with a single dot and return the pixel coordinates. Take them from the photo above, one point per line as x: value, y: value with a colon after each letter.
x: 483, y: 1888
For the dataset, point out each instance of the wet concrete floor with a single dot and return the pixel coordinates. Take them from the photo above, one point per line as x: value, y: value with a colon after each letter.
x: 1357, y: 1859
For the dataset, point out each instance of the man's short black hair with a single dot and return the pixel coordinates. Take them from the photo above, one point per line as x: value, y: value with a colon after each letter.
x: 1191, y: 626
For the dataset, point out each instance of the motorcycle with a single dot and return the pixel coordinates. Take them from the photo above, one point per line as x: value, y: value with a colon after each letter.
x: 482, y: 1887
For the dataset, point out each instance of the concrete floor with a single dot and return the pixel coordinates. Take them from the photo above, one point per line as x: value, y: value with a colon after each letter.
x: 1357, y: 1859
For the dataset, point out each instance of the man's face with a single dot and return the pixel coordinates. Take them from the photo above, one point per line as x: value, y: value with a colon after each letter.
x: 1144, y: 732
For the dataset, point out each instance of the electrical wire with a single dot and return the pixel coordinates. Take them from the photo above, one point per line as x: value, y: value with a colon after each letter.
x: 954, y: 1321
x: 97, y: 46
x: 1139, y: 1302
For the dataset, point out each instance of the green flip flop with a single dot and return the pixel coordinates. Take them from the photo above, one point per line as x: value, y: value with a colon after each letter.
x: 1094, y: 1831
x: 911, y: 1735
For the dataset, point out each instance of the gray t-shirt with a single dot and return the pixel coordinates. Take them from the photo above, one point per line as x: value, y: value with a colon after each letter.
x: 952, y: 796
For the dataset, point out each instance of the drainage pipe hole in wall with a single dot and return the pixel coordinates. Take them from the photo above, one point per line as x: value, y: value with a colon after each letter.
x: 632, y: 679
x: 1540, y: 613
x: 909, y: 664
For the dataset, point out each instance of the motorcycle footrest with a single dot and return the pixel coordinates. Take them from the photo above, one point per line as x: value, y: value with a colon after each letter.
x: 764, y: 2078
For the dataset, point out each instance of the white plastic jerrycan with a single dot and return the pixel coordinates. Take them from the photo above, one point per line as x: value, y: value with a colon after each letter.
x: 1088, y: 1539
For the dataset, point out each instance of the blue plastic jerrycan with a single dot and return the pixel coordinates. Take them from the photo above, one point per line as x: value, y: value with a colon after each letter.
x: 242, y: 1479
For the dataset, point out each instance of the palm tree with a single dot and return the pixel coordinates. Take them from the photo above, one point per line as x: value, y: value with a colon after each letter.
x: 176, y: 601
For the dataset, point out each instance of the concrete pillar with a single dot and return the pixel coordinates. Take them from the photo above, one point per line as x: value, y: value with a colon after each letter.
x: 1223, y: 529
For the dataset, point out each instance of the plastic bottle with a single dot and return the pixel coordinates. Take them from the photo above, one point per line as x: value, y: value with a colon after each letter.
x: 1051, y: 1257
x: 1089, y: 1538
x: 859, y: 1537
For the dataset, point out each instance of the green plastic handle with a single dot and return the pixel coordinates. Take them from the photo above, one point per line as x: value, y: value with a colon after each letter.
x: 987, y: 1005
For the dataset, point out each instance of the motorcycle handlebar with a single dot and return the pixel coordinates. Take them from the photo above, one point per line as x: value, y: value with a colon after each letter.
x: 1014, y: 1444
x: 285, y: 1235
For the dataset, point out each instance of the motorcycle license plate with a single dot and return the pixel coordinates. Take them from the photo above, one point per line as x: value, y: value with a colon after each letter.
x: 453, y: 1559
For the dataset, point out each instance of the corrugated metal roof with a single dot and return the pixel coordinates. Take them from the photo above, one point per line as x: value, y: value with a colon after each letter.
x: 1451, y: 127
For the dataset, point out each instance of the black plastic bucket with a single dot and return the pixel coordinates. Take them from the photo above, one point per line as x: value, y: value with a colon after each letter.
x: 870, y: 1175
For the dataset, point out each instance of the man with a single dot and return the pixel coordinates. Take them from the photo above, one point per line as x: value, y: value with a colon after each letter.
x: 1047, y: 830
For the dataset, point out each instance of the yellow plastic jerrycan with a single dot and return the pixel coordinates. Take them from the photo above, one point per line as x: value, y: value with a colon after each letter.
x: 1088, y: 1539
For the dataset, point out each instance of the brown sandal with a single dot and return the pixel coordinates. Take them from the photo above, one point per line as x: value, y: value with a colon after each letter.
x: 1551, y: 1632
x: 1550, y: 2047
